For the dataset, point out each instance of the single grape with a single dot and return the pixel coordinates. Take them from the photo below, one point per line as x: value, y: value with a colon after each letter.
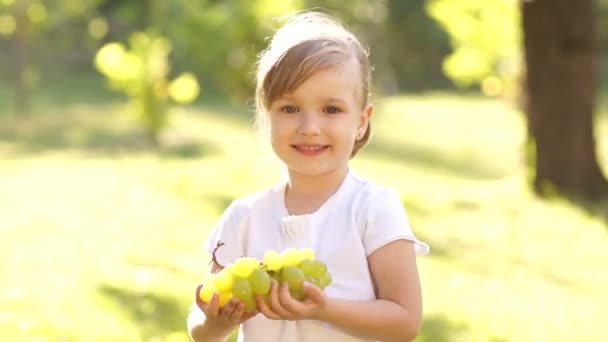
x: 293, y: 276
x: 206, y: 292
x: 307, y: 254
x: 243, y: 267
x: 290, y: 257
x: 272, y: 260
x: 251, y: 262
x: 317, y: 269
x: 223, y: 280
x: 225, y: 296
x: 260, y: 281
x: 307, y: 266
x: 320, y: 282
x: 241, y: 288
x: 325, y: 280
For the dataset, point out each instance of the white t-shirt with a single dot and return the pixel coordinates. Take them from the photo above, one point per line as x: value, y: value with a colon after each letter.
x: 356, y: 220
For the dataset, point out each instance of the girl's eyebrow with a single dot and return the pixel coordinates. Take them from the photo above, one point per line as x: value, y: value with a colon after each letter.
x: 331, y: 99
x: 335, y: 99
x: 286, y: 97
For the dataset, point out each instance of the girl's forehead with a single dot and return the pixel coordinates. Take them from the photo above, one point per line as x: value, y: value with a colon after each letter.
x: 343, y: 75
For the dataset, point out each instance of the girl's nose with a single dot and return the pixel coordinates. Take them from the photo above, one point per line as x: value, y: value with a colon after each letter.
x: 309, y: 124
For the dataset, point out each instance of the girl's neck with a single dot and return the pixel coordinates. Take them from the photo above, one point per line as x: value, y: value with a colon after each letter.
x: 305, y: 194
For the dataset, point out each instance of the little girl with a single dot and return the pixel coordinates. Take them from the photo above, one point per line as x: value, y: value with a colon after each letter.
x: 312, y: 102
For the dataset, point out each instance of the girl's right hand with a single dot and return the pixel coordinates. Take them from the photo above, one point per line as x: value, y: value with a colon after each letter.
x: 226, y: 318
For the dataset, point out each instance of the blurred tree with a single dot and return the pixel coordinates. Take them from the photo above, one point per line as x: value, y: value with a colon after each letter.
x: 561, y: 57
x: 416, y: 46
x: 141, y: 73
x: 21, y: 82
x: 25, y: 23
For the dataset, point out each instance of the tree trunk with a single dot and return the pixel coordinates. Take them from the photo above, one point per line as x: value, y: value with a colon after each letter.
x: 561, y: 58
x: 21, y: 85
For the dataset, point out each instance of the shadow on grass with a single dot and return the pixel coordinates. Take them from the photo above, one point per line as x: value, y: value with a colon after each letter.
x: 462, y: 252
x: 463, y: 255
x: 156, y: 316
x: 440, y: 328
x: 595, y: 205
x: 467, y: 166
x: 219, y: 201
x: 597, y: 208
x: 90, y: 133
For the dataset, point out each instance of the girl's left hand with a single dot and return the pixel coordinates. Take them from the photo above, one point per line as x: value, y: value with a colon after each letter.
x: 282, y: 306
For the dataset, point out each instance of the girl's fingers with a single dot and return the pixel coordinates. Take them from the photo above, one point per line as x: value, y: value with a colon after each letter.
x: 202, y: 305
x: 248, y: 315
x: 285, y: 298
x: 275, y: 303
x: 213, y: 306
x: 209, y: 309
x: 238, y: 312
x: 265, y: 309
x: 228, y: 309
x: 314, y: 294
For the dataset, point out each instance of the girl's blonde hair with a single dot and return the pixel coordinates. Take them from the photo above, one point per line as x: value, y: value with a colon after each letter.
x: 307, y: 43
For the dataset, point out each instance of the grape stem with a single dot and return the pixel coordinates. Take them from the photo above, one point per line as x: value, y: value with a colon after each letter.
x: 213, y: 258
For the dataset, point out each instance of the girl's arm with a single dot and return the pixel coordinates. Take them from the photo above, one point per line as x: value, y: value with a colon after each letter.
x: 395, y: 316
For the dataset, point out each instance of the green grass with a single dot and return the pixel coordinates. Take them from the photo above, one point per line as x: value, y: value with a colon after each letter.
x: 101, y: 237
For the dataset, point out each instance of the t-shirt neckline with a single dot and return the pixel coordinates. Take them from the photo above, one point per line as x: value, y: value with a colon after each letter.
x: 322, y: 208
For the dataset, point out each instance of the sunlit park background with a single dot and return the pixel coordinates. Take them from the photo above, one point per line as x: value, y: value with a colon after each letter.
x: 125, y: 131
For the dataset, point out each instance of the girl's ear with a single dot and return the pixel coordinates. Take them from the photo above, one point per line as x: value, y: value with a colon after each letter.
x: 366, y: 115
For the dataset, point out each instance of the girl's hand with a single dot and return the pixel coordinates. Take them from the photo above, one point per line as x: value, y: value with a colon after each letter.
x: 226, y: 318
x: 282, y: 306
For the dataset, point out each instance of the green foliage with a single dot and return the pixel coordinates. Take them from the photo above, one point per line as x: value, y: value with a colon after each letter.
x: 142, y: 74
x: 52, y: 32
x: 217, y: 40
x: 414, y: 47
x: 49, y: 19
x: 227, y: 64
x: 486, y: 42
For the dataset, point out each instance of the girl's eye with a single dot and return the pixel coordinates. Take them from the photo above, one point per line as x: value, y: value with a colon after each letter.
x: 289, y: 109
x: 332, y: 110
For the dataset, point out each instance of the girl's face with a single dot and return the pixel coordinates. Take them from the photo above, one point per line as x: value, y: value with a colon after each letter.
x: 313, y: 129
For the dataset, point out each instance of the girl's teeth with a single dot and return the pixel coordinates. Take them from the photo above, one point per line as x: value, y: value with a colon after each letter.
x: 310, y: 148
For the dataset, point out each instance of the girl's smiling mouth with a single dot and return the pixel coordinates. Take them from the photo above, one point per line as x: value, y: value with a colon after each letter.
x: 310, y: 149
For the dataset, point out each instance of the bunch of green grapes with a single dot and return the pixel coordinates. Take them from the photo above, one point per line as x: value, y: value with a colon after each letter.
x: 244, y: 279
x: 247, y: 277
x: 294, y: 266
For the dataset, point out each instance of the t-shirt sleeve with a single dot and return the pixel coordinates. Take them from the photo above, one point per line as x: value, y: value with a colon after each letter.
x: 196, y: 316
x: 387, y: 222
x: 227, y: 233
